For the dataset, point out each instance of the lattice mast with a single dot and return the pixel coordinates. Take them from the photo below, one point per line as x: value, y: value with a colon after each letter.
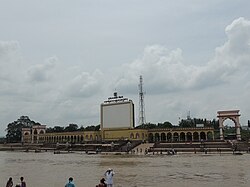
x: 142, y: 118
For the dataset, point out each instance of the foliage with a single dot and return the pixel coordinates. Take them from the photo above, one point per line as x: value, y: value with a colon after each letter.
x: 166, y: 124
x: 187, y: 123
x: 71, y: 128
x: 146, y: 126
x: 14, y: 129
x: 245, y: 135
x: 91, y: 128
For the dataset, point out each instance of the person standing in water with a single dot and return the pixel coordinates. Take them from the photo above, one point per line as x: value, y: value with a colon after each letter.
x: 9, y: 182
x: 109, y: 177
x: 23, y: 183
x: 70, y: 183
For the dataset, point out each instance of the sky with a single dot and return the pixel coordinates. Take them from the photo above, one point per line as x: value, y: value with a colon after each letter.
x: 59, y: 60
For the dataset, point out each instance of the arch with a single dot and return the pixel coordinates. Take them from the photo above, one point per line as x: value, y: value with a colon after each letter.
x: 26, y: 133
x: 91, y: 137
x: 196, y: 136
x: 176, y: 137
x: 35, y: 131
x: 132, y: 135
x: 157, y: 137
x: 182, y: 136
x: 163, y: 137
x: 234, y: 116
x: 41, y: 132
x: 203, y: 135
x: 137, y: 136
x: 169, y: 137
x: 189, y: 136
x: 150, y: 137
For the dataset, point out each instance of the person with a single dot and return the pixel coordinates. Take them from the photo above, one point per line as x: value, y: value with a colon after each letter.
x: 109, y: 177
x: 102, y: 183
x: 9, y: 182
x: 70, y: 183
x: 23, y: 183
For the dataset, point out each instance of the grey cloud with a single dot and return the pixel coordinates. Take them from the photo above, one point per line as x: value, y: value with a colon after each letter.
x: 42, y: 72
x: 85, y: 84
x: 8, y: 47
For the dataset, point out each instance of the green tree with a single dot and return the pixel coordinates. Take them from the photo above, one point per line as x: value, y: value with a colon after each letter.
x: 166, y: 124
x: 91, y: 128
x: 71, y: 128
x: 147, y: 126
x: 14, y: 129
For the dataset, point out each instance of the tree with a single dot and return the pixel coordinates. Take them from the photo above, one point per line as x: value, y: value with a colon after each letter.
x: 166, y: 124
x: 71, y: 128
x: 91, y: 128
x: 14, y: 129
x: 146, y: 126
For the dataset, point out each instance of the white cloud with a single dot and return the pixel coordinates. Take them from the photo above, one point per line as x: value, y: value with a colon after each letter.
x: 165, y: 71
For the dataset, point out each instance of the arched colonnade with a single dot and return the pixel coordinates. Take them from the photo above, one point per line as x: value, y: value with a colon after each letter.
x: 181, y: 136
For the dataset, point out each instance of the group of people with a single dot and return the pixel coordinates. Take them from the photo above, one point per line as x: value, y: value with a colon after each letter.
x: 104, y: 182
x: 10, y: 183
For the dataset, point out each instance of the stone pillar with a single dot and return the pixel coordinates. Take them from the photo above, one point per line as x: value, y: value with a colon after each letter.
x: 238, y: 134
x: 32, y: 135
x: 221, y: 128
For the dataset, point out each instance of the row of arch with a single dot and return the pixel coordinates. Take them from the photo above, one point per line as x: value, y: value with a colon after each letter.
x: 69, y: 138
x: 181, y: 136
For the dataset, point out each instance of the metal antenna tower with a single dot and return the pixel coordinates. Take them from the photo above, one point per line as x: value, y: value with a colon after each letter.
x: 142, y: 118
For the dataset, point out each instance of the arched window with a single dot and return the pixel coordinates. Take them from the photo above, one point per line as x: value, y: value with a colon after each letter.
x: 137, y: 136
x: 132, y: 136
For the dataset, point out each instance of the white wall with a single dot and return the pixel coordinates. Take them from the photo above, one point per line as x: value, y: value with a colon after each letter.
x: 118, y: 115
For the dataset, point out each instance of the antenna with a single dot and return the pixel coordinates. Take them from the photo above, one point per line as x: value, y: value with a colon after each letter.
x: 142, y: 118
x: 188, y: 115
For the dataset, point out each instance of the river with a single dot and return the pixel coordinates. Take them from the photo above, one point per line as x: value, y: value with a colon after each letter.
x: 187, y: 170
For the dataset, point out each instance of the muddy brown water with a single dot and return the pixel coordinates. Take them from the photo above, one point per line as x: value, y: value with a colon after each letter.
x: 46, y: 169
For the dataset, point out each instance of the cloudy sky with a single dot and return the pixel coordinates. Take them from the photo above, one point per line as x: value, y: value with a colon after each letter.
x: 59, y: 60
